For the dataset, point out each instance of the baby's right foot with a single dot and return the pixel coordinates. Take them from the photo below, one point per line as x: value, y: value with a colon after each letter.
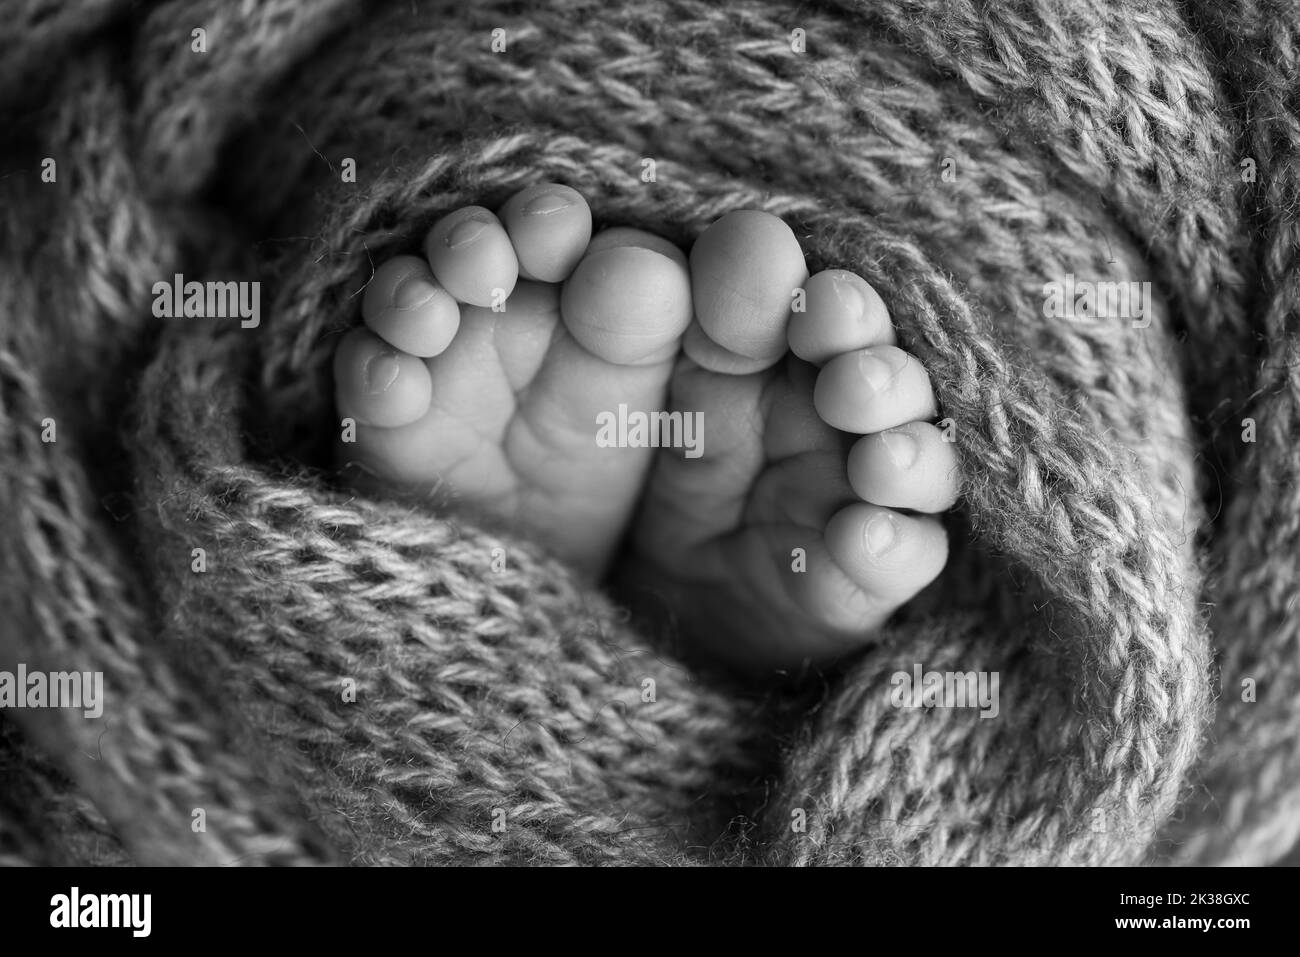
x: 475, y: 384
x: 806, y: 522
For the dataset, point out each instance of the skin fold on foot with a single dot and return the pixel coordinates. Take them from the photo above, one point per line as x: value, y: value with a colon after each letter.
x: 504, y: 370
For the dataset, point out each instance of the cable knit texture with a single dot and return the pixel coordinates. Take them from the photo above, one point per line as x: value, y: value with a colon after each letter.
x: 1125, y: 554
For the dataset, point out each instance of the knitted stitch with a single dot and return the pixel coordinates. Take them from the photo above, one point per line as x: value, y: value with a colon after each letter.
x: 1109, y: 494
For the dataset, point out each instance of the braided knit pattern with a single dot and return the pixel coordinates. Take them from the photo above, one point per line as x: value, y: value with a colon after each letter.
x: 356, y: 681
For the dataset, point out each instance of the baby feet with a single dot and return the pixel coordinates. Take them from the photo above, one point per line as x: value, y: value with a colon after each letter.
x: 487, y: 366
x: 807, y: 521
x: 479, y: 378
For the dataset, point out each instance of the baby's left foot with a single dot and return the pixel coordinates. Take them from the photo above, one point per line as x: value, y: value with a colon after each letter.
x: 478, y: 378
x: 807, y: 521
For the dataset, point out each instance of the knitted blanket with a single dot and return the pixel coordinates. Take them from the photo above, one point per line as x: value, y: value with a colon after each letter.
x: 294, y: 674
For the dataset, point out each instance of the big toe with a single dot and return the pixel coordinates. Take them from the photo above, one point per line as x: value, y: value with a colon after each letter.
x: 746, y: 270
x: 628, y: 300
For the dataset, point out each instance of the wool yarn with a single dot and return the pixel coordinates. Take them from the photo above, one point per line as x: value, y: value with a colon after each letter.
x: 333, y: 679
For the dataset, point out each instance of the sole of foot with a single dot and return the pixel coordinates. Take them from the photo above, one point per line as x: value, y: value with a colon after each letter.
x: 809, y: 518
x: 484, y: 366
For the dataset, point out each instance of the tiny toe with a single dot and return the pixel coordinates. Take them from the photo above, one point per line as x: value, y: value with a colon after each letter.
x: 629, y: 299
x: 745, y: 270
x: 908, y: 467
x: 404, y: 305
x: 841, y: 313
x: 472, y: 256
x: 873, y: 389
x: 550, y: 227
x: 889, y: 556
x: 377, y: 384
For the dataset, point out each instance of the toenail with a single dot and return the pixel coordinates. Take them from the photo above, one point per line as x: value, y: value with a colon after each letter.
x: 413, y: 291
x: 850, y: 297
x: 877, y: 370
x: 467, y: 230
x: 546, y: 204
x: 879, y: 534
x: 380, y: 372
x: 902, y: 448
